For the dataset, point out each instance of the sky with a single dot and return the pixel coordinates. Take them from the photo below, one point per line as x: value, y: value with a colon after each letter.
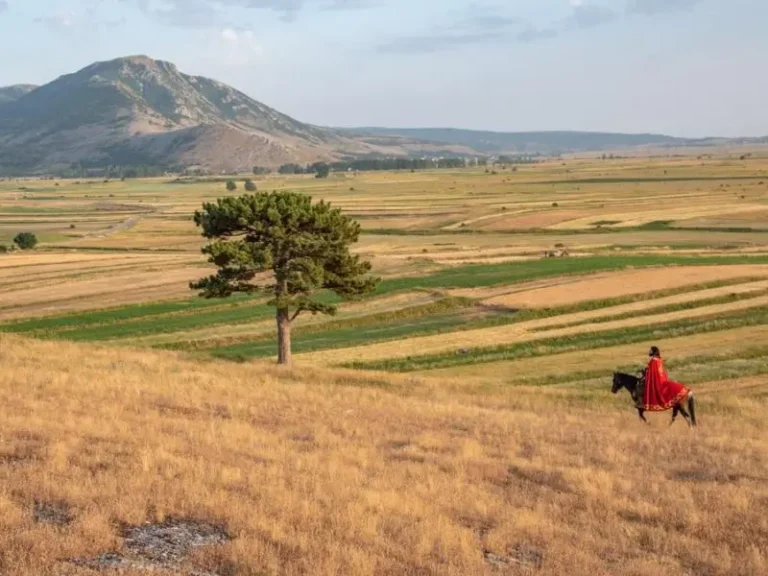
x: 690, y: 68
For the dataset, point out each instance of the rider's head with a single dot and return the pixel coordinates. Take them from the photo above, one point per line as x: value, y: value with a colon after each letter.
x: 654, y: 352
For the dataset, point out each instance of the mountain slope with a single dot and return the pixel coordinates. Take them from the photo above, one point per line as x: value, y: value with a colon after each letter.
x: 138, y: 110
x: 11, y: 93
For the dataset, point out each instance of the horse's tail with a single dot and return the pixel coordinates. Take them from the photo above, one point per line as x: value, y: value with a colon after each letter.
x: 692, y: 408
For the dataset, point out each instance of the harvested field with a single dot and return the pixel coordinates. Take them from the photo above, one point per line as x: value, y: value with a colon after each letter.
x: 102, y: 291
x: 612, y: 285
x: 639, y: 217
x: 534, y: 220
x: 514, y: 333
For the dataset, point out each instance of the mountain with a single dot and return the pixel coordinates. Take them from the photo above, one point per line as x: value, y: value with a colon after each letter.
x: 137, y: 110
x: 11, y: 93
x: 522, y: 142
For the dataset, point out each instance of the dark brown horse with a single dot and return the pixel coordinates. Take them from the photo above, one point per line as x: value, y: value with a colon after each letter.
x: 636, y: 388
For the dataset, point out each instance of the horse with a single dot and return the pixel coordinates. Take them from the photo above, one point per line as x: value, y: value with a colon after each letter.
x: 636, y: 388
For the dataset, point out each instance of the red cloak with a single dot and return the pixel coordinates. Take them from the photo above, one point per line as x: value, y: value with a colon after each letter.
x: 661, y: 393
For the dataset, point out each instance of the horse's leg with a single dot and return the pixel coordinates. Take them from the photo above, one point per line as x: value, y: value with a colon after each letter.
x: 692, y: 408
x: 684, y: 413
x: 641, y: 413
x: 675, y: 412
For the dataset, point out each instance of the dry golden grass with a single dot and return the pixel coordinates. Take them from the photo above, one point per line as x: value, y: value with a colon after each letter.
x: 315, y: 473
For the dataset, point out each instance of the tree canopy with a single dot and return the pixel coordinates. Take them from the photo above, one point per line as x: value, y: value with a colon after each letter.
x: 25, y: 240
x: 283, y: 245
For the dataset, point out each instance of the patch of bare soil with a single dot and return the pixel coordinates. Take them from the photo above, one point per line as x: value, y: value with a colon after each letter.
x: 53, y: 513
x: 159, y: 547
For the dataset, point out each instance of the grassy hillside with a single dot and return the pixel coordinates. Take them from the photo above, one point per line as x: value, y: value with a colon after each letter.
x: 333, y: 472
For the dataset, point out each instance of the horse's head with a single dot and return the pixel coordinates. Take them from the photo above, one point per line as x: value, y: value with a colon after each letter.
x: 617, y: 383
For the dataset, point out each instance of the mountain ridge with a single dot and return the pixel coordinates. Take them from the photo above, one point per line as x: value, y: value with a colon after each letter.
x: 542, y: 141
x: 15, y: 91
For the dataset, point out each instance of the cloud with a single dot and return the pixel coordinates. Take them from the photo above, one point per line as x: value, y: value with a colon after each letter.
x: 651, y: 7
x: 479, y: 24
x: 86, y: 18
x: 531, y: 34
x: 192, y: 13
x: 434, y: 42
x: 494, y: 25
x: 207, y: 13
x: 588, y: 16
x: 61, y: 19
x: 236, y: 47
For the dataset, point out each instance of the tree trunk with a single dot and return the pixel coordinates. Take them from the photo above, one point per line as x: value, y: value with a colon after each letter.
x: 284, y: 337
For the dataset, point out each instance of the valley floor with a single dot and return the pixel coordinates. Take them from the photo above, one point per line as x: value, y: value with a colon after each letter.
x: 458, y: 421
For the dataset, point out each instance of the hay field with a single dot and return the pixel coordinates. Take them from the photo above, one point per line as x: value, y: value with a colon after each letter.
x: 116, y: 257
x: 458, y: 421
x: 113, y: 253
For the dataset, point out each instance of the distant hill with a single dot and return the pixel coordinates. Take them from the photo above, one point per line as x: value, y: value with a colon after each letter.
x: 11, y: 93
x: 523, y: 142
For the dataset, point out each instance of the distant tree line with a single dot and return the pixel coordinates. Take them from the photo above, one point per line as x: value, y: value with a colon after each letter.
x: 518, y: 159
x: 374, y: 164
x: 85, y: 170
x: 95, y: 169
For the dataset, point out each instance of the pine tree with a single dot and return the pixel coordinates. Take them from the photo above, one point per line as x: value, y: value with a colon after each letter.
x: 303, y: 246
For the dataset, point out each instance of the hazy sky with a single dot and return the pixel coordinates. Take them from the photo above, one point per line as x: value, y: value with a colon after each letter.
x: 682, y: 67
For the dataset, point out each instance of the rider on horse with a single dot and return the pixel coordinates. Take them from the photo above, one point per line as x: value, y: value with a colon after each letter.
x: 661, y: 393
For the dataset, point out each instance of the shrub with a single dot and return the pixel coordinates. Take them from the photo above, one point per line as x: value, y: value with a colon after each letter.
x: 25, y: 240
x: 250, y: 186
x: 231, y: 185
